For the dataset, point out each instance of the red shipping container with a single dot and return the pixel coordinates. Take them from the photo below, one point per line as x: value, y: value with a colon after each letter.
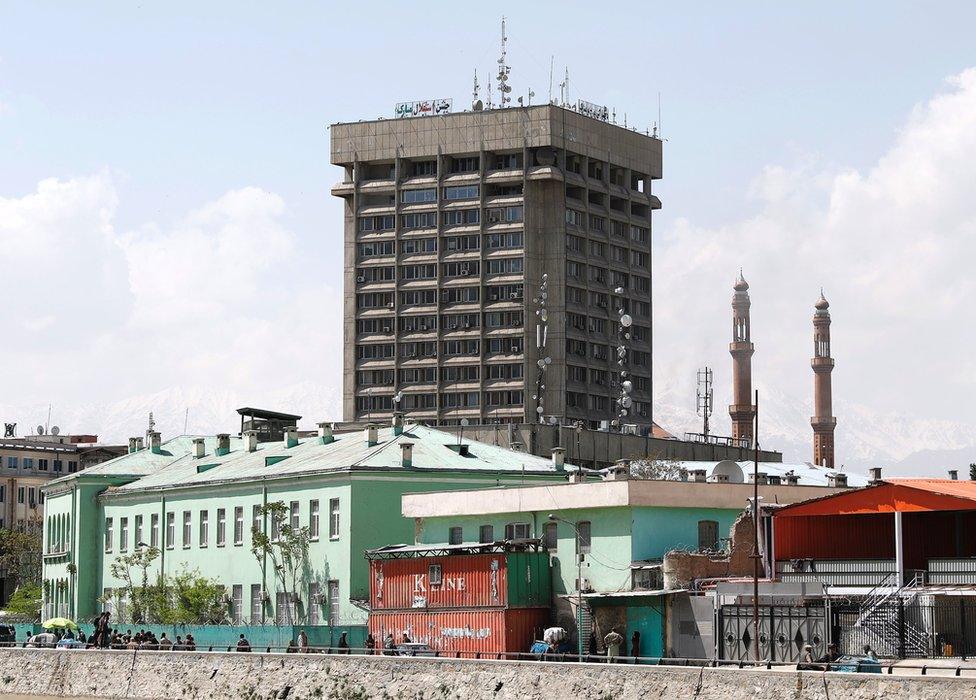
x: 469, y: 631
x: 460, y: 581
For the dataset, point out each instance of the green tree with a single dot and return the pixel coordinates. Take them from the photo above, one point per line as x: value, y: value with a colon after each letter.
x: 972, y: 471
x: 20, y: 555
x: 132, y: 569
x: 25, y: 601
x: 197, y: 599
x: 286, y: 548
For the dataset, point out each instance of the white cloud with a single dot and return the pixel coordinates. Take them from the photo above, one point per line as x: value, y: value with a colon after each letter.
x: 893, y: 246
x: 222, y: 297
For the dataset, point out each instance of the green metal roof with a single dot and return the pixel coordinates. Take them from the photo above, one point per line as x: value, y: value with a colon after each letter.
x: 145, y: 461
x: 432, y: 450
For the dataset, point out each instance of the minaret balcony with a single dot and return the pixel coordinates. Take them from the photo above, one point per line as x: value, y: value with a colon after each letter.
x: 823, y: 422
x: 822, y: 364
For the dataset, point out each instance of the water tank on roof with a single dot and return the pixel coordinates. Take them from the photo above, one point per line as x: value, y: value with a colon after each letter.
x: 730, y: 469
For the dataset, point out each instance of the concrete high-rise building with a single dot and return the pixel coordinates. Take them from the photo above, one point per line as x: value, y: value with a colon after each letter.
x: 452, y: 223
x: 823, y: 364
x: 742, y: 411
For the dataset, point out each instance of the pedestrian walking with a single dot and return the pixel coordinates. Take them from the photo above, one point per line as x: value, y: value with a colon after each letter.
x: 370, y: 643
x: 302, y: 642
x: 343, y: 644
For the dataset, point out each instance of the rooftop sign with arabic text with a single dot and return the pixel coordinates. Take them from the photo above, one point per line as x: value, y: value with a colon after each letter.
x: 423, y: 108
x: 592, y: 110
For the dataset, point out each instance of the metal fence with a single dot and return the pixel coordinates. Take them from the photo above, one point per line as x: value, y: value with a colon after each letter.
x: 920, y: 627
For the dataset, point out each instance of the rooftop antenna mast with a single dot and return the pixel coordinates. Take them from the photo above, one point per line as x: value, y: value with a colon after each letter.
x: 705, y: 398
x: 564, y: 89
x: 551, y: 61
x: 503, y: 69
x: 474, y: 92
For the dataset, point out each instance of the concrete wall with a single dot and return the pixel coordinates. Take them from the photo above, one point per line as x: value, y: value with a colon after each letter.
x: 200, y: 675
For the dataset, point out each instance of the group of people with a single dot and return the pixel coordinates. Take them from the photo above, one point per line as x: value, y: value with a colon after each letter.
x: 808, y: 663
x: 615, y: 645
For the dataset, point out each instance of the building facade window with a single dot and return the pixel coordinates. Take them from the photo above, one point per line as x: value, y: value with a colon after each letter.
x: 187, y: 529
x: 108, y: 535
x: 334, y: 519
x: 257, y: 604
x: 707, y: 535
x: 486, y: 533
x: 334, y: 603
x: 584, y: 537
x: 313, y: 519
x: 137, y: 532
x: 314, y: 604
x: 221, y: 527
x: 455, y: 535
x: 123, y: 534
x: 518, y: 531
x: 293, y: 513
x: 204, y: 528
x: 237, y: 596
x: 154, y: 530
x: 170, y: 530
x: 550, y: 536
x: 239, y: 525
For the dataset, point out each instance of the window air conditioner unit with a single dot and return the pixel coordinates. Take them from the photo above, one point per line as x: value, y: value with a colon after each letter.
x: 467, y: 325
x: 515, y: 349
x: 390, y: 305
x: 514, y: 295
x: 360, y: 279
x: 423, y: 326
x: 386, y: 329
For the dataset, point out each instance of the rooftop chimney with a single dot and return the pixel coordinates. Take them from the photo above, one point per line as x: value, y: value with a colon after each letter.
x: 515, y: 446
x: 720, y: 478
x: 291, y: 436
x: 836, y: 480
x: 875, y: 474
x: 154, y: 442
x: 199, y: 448
x: 559, y: 458
x: 618, y: 472
x: 954, y: 474
x: 792, y: 479
x: 325, y: 433
x: 223, y: 444
x: 577, y: 477
x: 371, y: 438
x: 406, y: 454
x: 697, y: 475
x: 250, y: 440
x: 775, y: 479
x: 397, y: 423
x: 760, y: 477
x: 135, y: 444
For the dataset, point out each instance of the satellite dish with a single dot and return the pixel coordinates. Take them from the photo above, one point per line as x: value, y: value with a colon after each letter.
x: 465, y: 422
x: 478, y: 106
x: 40, y: 430
x: 55, y: 430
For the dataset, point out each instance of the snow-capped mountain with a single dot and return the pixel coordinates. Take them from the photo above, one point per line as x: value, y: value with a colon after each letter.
x: 901, y: 444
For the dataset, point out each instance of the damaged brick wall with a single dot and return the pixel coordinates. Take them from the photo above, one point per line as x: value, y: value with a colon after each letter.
x: 682, y: 568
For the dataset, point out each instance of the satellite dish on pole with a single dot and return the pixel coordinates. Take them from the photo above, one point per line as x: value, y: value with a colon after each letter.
x: 55, y: 430
x: 40, y: 430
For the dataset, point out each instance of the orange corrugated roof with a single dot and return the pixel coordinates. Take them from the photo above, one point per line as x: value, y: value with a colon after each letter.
x: 946, y: 487
x: 889, y: 496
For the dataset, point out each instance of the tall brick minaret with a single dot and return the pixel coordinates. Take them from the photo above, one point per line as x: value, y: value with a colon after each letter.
x: 823, y: 364
x: 742, y: 410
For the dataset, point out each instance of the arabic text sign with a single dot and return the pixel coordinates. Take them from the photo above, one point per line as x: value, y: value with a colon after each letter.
x: 424, y: 108
x: 592, y: 110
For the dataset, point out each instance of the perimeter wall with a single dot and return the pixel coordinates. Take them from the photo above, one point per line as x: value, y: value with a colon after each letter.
x: 110, y: 674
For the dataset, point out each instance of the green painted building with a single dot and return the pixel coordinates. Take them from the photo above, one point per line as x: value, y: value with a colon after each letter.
x: 197, y: 499
x: 622, y: 527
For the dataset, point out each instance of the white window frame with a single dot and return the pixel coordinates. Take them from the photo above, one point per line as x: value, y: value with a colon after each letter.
x: 313, y: 519
x: 221, y: 527
x: 334, y: 518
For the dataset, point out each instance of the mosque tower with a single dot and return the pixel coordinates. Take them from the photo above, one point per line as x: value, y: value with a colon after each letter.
x: 823, y: 364
x: 742, y: 409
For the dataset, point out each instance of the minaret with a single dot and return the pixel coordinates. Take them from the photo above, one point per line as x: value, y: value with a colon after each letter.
x: 742, y: 410
x: 823, y: 364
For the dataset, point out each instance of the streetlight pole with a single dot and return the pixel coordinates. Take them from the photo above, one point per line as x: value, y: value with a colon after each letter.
x: 579, y: 583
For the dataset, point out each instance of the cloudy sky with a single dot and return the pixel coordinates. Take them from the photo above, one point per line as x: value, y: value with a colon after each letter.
x: 165, y: 217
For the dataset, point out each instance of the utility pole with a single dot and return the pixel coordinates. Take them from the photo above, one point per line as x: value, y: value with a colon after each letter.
x: 755, y: 529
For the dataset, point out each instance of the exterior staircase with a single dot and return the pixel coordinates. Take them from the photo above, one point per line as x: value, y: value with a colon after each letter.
x: 879, y: 618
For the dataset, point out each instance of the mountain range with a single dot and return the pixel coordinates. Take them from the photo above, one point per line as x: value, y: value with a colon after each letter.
x: 902, y: 445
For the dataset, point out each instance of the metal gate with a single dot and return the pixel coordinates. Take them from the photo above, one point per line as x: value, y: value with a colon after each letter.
x: 783, y: 631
